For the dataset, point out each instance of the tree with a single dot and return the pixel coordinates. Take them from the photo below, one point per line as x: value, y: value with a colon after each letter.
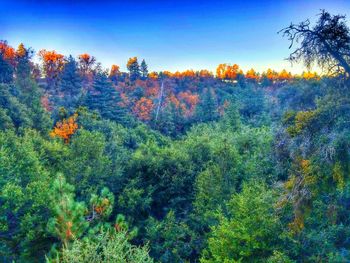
x: 88, y: 167
x: 327, y: 43
x: 144, y: 69
x: 104, y: 98
x: 86, y: 62
x: 171, y: 240
x: 70, y: 81
x: 252, y: 231
x: 284, y: 75
x: 114, y: 74
x: 68, y: 222
x: 52, y: 66
x: 69, y: 86
x: 65, y: 128
x: 8, y: 52
x: 107, y: 246
x: 228, y: 72
x: 6, y: 71
x: 231, y: 117
x: 24, y: 195
x: 23, y: 66
x: 207, y: 107
x: 134, y: 68
x: 143, y: 109
x: 251, y: 75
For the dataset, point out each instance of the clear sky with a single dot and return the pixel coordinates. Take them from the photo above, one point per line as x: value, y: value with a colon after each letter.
x: 169, y: 35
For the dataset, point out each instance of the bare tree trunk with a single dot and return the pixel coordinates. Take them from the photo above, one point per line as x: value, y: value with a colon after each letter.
x: 160, y: 97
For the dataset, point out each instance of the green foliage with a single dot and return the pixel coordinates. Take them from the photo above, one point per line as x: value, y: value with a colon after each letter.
x: 102, y: 205
x: 87, y: 166
x: 105, y: 246
x: 69, y: 86
x: 104, y: 98
x: 23, y: 197
x: 6, y: 71
x: 70, y: 81
x: 250, y: 233
x: 170, y: 240
x: 134, y: 68
x: 144, y: 69
x: 68, y: 222
x: 207, y: 110
x: 227, y: 172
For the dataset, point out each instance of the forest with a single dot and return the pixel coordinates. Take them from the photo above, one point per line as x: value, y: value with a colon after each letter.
x: 100, y: 165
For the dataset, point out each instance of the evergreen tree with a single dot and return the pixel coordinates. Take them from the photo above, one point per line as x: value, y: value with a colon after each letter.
x: 23, y: 56
x: 134, y: 68
x: 23, y: 198
x: 107, y: 246
x: 70, y: 86
x: 70, y: 80
x: 207, y: 109
x: 68, y: 222
x: 232, y: 118
x: 168, y: 120
x: 251, y: 233
x: 6, y: 71
x: 144, y: 69
x: 104, y: 98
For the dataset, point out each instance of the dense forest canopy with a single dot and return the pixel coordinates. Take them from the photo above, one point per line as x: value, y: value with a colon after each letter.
x: 108, y: 166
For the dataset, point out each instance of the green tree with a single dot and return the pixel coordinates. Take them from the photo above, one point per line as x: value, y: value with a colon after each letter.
x: 134, y: 68
x: 106, y: 246
x: 144, y: 69
x: 104, y: 98
x: 24, y: 212
x: 23, y: 67
x: 251, y: 233
x: 6, y: 71
x: 68, y: 221
x: 70, y: 81
x: 170, y: 239
x: 207, y: 108
x: 88, y: 167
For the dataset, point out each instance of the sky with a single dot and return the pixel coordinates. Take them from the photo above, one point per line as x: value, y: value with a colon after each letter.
x: 169, y: 35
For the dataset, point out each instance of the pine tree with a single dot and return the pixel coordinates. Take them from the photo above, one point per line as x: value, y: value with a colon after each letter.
x: 144, y: 69
x: 134, y: 68
x: 68, y: 222
x: 104, y: 98
x: 6, y: 71
x: 167, y: 121
x: 70, y: 86
x: 207, y: 108
x: 70, y: 81
x: 232, y: 118
x: 23, y: 75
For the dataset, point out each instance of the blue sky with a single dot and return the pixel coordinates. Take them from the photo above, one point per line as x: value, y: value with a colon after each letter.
x: 169, y: 35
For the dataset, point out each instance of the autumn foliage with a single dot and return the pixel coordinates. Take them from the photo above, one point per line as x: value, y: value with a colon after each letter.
x: 143, y: 109
x: 53, y: 63
x: 251, y: 74
x: 86, y: 62
x: 7, y: 52
x: 226, y: 71
x: 65, y: 129
x: 115, y: 70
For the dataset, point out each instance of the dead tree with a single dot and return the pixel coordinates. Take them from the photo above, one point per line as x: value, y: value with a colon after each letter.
x: 160, y: 98
x: 327, y: 44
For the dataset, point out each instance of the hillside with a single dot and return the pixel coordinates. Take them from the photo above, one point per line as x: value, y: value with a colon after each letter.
x: 107, y: 166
